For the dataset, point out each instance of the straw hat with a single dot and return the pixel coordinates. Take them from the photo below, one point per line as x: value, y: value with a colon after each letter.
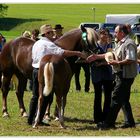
x: 26, y: 34
x: 45, y: 29
x: 109, y: 56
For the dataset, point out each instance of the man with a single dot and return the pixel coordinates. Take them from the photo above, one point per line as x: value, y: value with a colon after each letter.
x: 41, y: 48
x: 58, y: 31
x: 126, y: 61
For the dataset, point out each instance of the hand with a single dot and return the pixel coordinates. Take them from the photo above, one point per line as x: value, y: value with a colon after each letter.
x: 113, y: 62
x: 83, y: 55
x: 91, y: 58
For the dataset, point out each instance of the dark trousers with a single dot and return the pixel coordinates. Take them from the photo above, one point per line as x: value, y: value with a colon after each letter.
x: 86, y: 69
x: 34, y: 100
x: 120, y: 99
x: 99, y: 87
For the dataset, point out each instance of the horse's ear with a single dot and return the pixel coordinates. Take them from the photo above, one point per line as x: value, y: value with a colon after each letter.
x: 83, y: 28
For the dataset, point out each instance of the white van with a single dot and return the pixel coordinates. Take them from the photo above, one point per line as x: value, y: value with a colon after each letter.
x: 123, y: 18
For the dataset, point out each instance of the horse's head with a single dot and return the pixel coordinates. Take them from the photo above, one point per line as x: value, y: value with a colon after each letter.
x: 90, y: 38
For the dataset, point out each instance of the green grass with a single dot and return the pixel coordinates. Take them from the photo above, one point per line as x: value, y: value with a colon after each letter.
x: 79, y: 108
x: 78, y: 116
x: 30, y: 16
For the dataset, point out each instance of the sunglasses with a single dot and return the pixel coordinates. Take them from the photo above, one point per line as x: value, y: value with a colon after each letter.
x: 51, y: 32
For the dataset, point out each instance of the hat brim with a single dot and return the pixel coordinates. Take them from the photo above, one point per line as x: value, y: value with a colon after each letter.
x: 59, y: 28
x: 109, y: 56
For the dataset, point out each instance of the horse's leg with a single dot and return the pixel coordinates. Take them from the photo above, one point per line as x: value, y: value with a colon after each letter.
x: 22, y: 81
x: 77, y: 74
x: 47, y: 113
x: 60, y: 114
x: 56, y: 113
x: 40, y: 101
x: 5, y: 89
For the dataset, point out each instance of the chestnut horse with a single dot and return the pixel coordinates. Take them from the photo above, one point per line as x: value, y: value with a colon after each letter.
x: 55, y: 73
x: 16, y: 59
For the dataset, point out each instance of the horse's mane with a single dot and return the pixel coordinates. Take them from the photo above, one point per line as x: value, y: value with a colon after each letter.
x: 71, y: 31
x: 92, y: 35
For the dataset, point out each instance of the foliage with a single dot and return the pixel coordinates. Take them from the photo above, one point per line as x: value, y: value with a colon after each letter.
x: 3, y: 9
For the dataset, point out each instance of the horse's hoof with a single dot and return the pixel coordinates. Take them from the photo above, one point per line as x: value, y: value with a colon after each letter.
x: 5, y: 115
x: 48, y: 118
x: 24, y: 115
x: 34, y: 126
x: 63, y: 127
x: 56, y: 119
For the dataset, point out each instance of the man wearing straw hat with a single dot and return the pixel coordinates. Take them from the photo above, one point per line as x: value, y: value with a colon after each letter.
x: 41, y: 48
x: 125, y: 54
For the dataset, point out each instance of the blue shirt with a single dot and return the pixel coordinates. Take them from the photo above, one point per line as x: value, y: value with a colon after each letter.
x: 101, y: 73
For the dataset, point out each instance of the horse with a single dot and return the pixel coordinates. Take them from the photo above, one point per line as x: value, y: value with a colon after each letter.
x: 55, y: 75
x: 16, y: 59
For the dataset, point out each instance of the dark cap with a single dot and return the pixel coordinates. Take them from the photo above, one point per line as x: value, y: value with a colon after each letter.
x: 58, y: 26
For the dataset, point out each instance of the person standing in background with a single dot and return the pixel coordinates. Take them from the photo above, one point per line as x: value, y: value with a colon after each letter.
x: 34, y: 34
x: 58, y: 31
x: 2, y: 41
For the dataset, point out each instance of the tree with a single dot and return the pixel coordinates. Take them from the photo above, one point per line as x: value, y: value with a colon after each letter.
x: 3, y: 10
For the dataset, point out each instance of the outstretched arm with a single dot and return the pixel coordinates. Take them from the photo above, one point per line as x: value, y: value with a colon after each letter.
x: 94, y: 57
x: 68, y: 53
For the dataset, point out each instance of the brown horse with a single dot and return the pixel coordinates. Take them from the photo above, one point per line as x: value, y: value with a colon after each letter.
x: 55, y: 72
x: 16, y: 59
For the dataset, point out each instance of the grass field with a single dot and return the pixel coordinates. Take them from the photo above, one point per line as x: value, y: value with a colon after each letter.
x: 78, y: 116
x: 79, y: 106
x: 22, y: 17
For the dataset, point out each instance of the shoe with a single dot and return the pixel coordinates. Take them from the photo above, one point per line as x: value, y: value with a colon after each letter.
x: 128, y: 126
x: 29, y: 122
x: 104, y: 126
x: 44, y: 124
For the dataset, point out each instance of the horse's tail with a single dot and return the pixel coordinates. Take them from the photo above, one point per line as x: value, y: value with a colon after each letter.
x: 48, y: 78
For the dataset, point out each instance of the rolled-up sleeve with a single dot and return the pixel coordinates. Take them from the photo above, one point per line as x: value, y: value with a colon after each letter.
x: 130, y: 53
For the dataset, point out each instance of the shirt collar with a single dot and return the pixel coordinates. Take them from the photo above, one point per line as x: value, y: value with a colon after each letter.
x: 124, y: 39
x: 45, y: 38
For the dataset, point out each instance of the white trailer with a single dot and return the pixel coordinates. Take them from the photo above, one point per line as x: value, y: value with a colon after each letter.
x: 123, y: 18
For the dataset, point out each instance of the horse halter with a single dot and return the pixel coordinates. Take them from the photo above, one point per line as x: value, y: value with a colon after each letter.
x: 88, y: 47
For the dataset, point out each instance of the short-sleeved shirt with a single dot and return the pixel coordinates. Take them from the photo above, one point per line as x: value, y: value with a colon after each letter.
x: 127, y: 50
x: 101, y: 73
x: 43, y: 47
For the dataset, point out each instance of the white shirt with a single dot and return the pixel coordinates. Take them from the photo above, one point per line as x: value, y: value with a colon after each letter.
x: 43, y: 47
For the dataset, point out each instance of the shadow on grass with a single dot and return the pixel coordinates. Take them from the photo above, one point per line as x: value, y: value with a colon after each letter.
x: 7, y: 24
x: 78, y: 120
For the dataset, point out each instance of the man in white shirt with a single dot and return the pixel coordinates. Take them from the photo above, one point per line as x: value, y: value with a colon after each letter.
x: 41, y: 48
